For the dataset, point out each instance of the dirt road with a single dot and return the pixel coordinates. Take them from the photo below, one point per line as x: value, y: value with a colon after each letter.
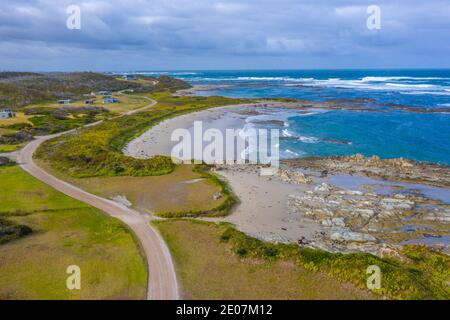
x: 162, y: 282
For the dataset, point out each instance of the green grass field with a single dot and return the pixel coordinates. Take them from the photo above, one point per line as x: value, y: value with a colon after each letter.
x: 208, y: 268
x: 218, y: 262
x: 184, y: 190
x: 65, y: 232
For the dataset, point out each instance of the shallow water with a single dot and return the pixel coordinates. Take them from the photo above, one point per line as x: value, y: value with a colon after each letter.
x: 357, y: 182
x: 429, y: 241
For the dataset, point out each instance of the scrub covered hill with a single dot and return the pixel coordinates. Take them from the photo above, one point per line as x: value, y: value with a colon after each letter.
x: 18, y: 89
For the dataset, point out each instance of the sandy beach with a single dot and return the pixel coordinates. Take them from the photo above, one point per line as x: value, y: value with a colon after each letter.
x: 157, y: 140
x: 262, y: 211
x: 335, y: 212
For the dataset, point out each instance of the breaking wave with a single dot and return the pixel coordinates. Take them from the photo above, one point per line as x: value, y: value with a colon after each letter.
x: 305, y: 139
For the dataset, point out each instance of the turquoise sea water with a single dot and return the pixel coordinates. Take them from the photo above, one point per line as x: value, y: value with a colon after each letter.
x: 387, y: 133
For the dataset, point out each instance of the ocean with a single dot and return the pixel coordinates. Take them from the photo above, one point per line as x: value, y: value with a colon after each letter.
x: 386, y: 131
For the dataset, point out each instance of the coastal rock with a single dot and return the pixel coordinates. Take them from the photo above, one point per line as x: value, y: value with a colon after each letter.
x: 4, y: 161
x: 364, y: 213
x: 390, y: 252
x: 295, y: 177
x: 274, y: 238
x: 391, y: 169
x: 438, y: 215
x: 323, y: 187
x: 345, y: 234
x: 396, y: 204
x: 122, y: 200
x: 351, y: 192
x: 334, y: 222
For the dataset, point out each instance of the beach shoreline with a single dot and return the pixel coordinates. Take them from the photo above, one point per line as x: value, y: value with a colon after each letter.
x: 271, y: 208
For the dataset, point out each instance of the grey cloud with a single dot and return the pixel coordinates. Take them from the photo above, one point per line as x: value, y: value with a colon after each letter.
x: 227, y: 31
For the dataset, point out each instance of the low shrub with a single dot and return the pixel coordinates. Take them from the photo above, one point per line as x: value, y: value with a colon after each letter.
x: 425, y: 276
x: 10, y: 231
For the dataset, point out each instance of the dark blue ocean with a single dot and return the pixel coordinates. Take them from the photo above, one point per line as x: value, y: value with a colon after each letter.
x: 388, y: 133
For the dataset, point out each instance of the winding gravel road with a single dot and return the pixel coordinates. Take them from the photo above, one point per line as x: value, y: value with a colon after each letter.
x: 162, y: 282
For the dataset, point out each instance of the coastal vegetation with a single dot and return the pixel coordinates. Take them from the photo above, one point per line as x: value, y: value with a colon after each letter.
x: 18, y: 89
x: 5, y: 148
x: 224, y: 193
x: 184, y: 190
x: 97, y: 151
x: 208, y: 268
x: 92, y: 155
x: 420, y: 273
x: 230, y: 258
x: 42, y: 232
x: 232, y: 264
x: 33, y: 96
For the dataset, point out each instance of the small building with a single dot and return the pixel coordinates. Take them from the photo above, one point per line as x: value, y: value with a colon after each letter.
x: 7, y: 113
x: 64, y: 101
x: 110, y: 100
x: 128, y: 77
x: 104, y: 93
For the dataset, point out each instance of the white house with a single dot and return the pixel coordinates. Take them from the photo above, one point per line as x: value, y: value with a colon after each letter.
x: 6, y: 114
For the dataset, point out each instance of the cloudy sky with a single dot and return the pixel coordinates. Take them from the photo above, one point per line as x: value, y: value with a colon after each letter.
x: 223, y: 34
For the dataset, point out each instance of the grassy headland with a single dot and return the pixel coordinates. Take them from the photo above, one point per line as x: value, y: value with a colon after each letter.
x: 19, y: 89
x: 213, y: 261
x: 34, y: 98
x: 97, y: 151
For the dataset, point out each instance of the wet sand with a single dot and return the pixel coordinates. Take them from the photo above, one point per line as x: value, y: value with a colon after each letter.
x: 262, y: 211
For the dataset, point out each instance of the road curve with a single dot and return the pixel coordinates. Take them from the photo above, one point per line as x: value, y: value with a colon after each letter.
x: 162, y: 282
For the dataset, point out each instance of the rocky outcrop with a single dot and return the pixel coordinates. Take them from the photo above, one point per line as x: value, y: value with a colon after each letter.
x: 11, y: 231
x: 295, y: 177
x: 390, y: 169
x: 122, y: 200
x: 5, y: 161
x: 345, y: 234
x: 352, y: 217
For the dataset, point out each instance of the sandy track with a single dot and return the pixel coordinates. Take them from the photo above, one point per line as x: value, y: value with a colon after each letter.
x: 162, y: 282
